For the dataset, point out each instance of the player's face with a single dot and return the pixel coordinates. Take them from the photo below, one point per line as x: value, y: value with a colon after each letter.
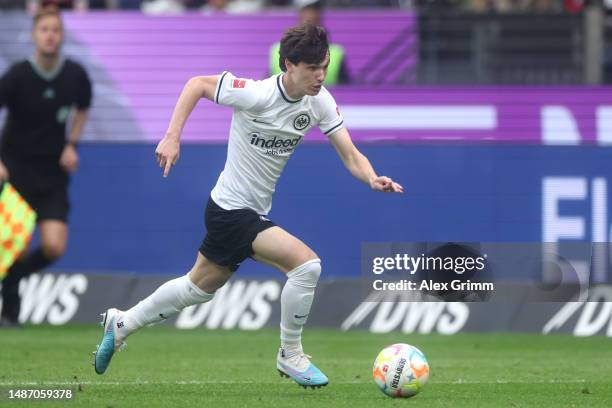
x: 48, y: 35
x: 308, y: 77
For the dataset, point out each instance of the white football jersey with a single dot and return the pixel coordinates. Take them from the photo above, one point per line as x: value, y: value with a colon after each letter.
x: 266, y: 128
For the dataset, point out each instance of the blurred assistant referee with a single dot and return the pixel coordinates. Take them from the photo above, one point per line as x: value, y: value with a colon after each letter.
x: 41, y: 95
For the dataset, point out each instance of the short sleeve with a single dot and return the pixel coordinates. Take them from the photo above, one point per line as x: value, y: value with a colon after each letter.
x: 331, y: 119
x: 84, y: 92
x: 8, y: 82
x: 239, y: 93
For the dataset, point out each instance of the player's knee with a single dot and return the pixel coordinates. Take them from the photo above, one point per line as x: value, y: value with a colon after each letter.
x: 209, y: 276
x: 303, y: 256
x: 307, y: 274
x: 54, y: 249
x: 312, y: 256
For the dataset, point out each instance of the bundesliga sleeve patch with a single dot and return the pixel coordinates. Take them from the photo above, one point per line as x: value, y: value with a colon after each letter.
x: 238, y: 83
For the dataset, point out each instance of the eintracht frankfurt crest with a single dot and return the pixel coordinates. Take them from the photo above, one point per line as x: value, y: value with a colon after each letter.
x: 301, y: 122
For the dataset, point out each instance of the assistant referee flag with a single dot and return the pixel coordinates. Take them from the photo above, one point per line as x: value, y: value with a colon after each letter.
x: 17, y: 222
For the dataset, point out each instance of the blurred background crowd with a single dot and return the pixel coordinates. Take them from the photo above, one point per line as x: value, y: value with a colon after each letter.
x: 246, y: 6
x: 460, y: 41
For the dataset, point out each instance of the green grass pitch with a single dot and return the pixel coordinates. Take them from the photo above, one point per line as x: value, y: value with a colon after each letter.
x: 166, y: 367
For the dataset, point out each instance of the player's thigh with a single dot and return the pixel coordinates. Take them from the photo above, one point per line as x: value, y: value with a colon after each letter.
x: 53, y: 237
x: 207, y: 275
x: 275, y: 246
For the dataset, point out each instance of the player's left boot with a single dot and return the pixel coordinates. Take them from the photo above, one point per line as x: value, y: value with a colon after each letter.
x: 300, y: 369
x: 111, y: 341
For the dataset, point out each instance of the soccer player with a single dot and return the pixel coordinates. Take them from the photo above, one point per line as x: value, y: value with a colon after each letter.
x: 270, y: 119
x: 41, y: 93
x: 311, y: 12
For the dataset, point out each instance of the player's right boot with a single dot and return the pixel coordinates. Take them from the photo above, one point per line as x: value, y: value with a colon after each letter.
x: 111, y: 340
x: 298, y: 367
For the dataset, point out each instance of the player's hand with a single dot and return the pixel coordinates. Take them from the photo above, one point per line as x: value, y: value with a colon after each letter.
x: 4, y: 174
x: 386, y: 185
x: 167, y: 153
x: 69, y: 160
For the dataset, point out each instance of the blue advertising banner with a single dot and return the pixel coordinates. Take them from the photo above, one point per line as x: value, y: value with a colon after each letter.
x: 127, y: 218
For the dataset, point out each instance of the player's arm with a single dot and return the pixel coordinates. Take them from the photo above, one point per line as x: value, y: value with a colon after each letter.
x: 168, y: 149
x: 69, y: 159
x: 359, y: 165
x: 79, y: 119
x: 7, y: 83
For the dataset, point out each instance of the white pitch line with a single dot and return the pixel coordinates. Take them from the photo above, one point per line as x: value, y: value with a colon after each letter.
x: 200, y: 382
x: 460, y: 381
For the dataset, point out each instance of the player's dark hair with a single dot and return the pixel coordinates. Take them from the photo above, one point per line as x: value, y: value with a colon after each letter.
x: 51, y: 10
x: 305, y: 43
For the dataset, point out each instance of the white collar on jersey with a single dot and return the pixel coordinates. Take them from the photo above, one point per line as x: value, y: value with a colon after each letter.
x: 281, y: 88
x: 47, y: 75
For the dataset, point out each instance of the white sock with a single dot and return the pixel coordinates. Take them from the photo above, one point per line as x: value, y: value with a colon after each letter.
x: 168, y: 300
x: 296, y: 300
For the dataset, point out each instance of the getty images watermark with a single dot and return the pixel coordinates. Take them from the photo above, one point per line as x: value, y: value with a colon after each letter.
x: 406, y: 263
x: 451, y: 271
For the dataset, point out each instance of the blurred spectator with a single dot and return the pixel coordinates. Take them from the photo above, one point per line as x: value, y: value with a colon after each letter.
x: 310, y: 11
x: 12, y: 4
x: 232, y: 6
x: 346, y: 3
x: 364, y: 3
x: 33, y: 6
x: 209, y: 6
x: 509, y: 6
x: 215, y: 5
x: 278, y: 3
x: 575, y: 6
x: 125, y: 4
x: 163, y: 7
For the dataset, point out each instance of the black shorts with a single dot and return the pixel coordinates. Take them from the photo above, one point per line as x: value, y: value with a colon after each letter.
x: 230, y: 234
x: 43, y: 184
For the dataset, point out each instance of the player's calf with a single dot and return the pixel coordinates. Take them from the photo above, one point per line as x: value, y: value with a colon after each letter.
x: 168, y: 300
x: 296, y: 301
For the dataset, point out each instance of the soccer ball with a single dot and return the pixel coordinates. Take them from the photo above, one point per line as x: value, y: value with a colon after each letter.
x: 401, y: 370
